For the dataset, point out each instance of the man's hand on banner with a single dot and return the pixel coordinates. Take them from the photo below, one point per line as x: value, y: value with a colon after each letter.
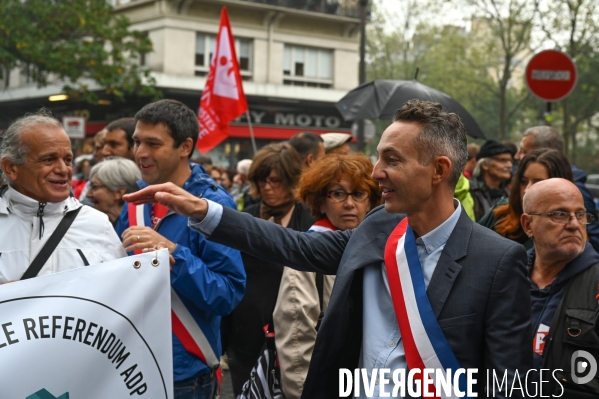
x: 157, y: 248
x: 173, y: 196
x: 140, y: 237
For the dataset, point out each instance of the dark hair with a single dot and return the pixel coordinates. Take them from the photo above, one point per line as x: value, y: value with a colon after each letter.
x: 125, y: 124
x: 281, y: 158
x: 545, y: 137
x: 442, y: 134
x: 231, y: 173
x: 180, y: 121
x: 306, y: 143
x: 327, y: 170
x: 508, y: 215
x: 202, y: 159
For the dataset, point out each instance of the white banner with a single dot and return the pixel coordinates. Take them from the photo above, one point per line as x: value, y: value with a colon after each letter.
x: 98, y: 332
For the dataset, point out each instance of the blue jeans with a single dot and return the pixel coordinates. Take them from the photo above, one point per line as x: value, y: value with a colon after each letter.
x: 202, y: 386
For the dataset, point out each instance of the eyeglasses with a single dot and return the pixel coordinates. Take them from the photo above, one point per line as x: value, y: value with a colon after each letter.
x: 340, y: 195
x: 564, y: 217
x: 274, y: 183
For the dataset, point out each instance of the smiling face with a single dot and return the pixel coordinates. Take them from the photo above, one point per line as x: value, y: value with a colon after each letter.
x: 499, y: 167
x: 347, y: 214
x: 105, y: 200
x: 406, y: 184
x: 156, y: 155
x: 46, y: 174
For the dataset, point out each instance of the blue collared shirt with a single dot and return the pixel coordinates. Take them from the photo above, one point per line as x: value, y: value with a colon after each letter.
x: 381, y: 342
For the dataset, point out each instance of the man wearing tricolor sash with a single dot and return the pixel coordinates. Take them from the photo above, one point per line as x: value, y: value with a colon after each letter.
x: 207, y: 279
x: 419, y: 285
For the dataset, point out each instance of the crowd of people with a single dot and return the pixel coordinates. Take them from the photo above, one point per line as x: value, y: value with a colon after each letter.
x: 310, y: 241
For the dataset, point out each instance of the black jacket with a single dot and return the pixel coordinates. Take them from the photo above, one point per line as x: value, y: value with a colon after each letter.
x: 478, y: 291
x: 242, y: 329
x: 569, y: 307
x: 484, y: 197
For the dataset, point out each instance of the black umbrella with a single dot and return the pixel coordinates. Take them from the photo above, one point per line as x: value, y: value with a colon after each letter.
x: 381, y: 98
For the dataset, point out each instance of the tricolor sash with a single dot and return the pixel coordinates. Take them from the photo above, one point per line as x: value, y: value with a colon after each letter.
x: 322, y: 225
x: 185, y: 328
x: 424, y: 343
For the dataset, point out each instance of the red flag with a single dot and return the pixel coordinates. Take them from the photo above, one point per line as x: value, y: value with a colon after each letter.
x: 222, y: 99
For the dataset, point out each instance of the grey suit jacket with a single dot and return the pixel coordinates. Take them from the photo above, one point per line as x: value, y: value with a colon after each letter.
x: 479, y: 291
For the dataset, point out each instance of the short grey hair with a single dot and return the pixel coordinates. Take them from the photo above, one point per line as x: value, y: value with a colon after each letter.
x: 11, y: 145
x: 545, y: 137
x: 117, y: 173
x: 478, y: 169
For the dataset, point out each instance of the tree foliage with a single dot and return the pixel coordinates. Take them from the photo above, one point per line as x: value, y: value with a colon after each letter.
x: 572, y: 26
x: 74, y: 41
x: 483, y: 67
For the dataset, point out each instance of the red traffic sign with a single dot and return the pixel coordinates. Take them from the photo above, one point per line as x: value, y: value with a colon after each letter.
x: 551, y: 75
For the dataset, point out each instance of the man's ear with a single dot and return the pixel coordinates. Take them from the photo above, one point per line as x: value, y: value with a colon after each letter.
x: 309, y: 160
x: 186, y: 147
x: 442, y: 169
x: 525, y: 223
x: 10, y: 169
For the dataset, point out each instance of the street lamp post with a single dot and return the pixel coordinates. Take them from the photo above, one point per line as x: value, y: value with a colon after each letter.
x: 362, y: 69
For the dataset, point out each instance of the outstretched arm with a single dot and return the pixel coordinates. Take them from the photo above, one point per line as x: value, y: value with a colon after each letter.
x: 173, y: 196
x: 319, y: 252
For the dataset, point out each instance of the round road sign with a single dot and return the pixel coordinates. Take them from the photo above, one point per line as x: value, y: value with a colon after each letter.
x: 551, y: 75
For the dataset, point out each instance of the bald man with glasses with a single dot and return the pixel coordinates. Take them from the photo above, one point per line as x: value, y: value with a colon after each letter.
x: 563, y: 273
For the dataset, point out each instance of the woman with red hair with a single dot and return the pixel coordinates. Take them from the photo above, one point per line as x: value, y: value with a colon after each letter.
x: 339, y: 191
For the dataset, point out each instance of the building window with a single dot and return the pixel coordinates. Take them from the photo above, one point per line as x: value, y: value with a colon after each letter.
x: 142, y: 57
x: 307, y: 66
x: 205, y: 46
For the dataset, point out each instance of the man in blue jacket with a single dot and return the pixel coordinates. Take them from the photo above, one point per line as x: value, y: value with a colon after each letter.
x: 207, y: 279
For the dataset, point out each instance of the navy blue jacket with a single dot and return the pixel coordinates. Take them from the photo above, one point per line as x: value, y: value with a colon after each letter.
x: 580, y: 178
x: 545, y: 301
x: 208, y: 277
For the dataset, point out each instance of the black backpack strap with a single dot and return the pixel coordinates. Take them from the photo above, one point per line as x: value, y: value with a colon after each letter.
x: 42, y: 257
x: 320, y: 288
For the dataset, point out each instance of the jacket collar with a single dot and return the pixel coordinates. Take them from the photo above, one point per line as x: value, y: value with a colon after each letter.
x: 12, y: 201
x: 586, y: 259
x: 448, y: 269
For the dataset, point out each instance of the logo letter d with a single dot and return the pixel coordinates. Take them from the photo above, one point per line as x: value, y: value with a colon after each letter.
x: 580, y: 367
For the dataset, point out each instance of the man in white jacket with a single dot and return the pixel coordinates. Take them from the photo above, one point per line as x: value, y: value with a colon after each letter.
x: 36, y: 159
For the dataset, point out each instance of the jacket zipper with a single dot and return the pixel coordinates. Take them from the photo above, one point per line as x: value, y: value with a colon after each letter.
x: 40, y: 214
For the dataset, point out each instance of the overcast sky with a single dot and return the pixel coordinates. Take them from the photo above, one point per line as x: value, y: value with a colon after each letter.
x: 450, y: 15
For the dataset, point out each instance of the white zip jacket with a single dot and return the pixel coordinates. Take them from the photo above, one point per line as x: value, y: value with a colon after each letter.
x: 90, y: 239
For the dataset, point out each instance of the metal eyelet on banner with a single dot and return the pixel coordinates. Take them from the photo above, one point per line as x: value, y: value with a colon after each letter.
x: 137, y: 264
x: 155, y: 262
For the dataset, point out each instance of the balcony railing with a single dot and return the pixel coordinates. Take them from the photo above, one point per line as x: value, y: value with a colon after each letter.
x: 344, y: 8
